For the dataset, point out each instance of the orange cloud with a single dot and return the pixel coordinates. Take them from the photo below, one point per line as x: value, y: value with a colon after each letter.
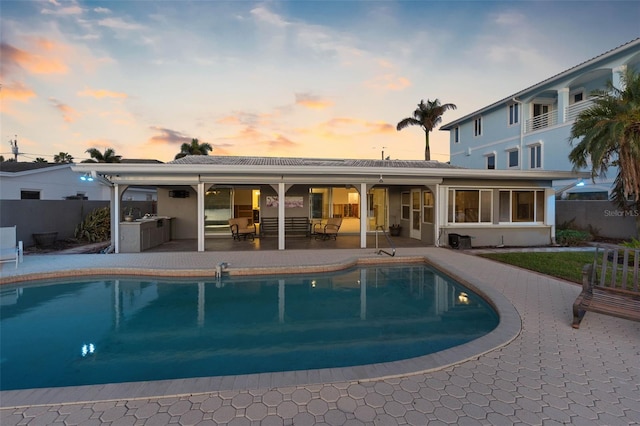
x: 16, y: 91
x: 312, y: 102
x: 46, y: 59
x: 101, y: 93
x: 168, y: 137
x: 346, y: 128
x: 69, y: 114
x: 281, y: 142
x: 388, y: 82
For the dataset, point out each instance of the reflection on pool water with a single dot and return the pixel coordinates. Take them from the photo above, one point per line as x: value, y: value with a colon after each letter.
x: 122, y: 329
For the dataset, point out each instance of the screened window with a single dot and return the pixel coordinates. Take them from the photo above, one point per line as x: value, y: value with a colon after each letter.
x: 469, y: 206
x: 427, y: 206
x: 406, y: 205
x: 521, y: 206
x: 456, y: 134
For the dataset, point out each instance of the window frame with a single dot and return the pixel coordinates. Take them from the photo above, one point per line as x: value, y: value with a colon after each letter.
x: 535, y: 156
x: 405, y: 208
x: 428, y: 206
x: 477, y: 126
x: 456, y: 134
x: 538, y: 196
x: 486, y: 161
x: 509, y: 154
x: 481, y: 218
x: 513, y: 114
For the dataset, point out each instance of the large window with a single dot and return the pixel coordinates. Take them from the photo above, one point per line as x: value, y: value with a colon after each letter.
x: 521, y: 206
x: 469, y: 206
x: 427, y: 206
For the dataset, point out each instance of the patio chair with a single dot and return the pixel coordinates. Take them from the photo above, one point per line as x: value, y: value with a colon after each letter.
x: 10, y: 249
x: 329, y: 229
x: 242, y: 227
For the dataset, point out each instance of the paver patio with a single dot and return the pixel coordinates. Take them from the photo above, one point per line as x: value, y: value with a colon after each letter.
x: 549, y: 374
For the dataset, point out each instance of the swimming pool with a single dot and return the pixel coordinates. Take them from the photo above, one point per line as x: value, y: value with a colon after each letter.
x: 122, y: 329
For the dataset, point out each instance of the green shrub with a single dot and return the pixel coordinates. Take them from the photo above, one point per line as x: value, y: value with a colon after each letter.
x: 572, y: 237
x: 96, y: 227
x: 634, y: 244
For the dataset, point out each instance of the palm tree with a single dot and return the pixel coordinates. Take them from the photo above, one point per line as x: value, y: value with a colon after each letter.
x: 40, y: 160
x: 63, y: 157
x: 194, y: 148
x: 109, y: 156
x: 609, y: 133
x: 427, y: 116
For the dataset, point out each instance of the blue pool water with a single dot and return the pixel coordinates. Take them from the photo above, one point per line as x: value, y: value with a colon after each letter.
x: 122, y: 329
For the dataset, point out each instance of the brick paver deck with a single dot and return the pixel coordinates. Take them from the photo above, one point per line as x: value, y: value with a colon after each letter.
x: 548, y: 374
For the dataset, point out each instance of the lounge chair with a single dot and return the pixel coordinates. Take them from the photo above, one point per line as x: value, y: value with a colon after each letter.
x: 329, y: 229
x: 242, y: 227
x: 10, y: 249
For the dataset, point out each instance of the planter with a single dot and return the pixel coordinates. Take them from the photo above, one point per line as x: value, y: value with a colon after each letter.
x: 128, y: 218
x: 45, y: 239
x: 394, y: 231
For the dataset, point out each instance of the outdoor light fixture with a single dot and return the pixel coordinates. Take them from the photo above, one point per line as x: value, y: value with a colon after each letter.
x: 380, y: 180
x: 578, y: 183
x: 86, y: 177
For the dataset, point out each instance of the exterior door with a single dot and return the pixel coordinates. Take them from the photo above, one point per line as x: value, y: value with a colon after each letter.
x: 416, y: 218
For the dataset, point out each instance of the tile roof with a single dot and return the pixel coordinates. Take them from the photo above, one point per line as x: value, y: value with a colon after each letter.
x: 314, y: 162
x: 17, y: 167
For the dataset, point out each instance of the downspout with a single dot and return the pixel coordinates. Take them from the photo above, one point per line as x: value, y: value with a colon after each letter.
x: 521, y: 131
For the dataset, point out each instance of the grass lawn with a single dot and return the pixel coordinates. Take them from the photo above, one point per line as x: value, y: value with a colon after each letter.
x: 565, y: 264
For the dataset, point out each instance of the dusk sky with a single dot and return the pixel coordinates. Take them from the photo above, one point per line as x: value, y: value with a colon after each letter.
x: 327, y: 79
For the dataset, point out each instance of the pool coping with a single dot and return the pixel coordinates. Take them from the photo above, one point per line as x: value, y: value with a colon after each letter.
x: 509, y: 327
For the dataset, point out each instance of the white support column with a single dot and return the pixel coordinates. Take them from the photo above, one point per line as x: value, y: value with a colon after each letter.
x: 550, y: 212
x: 281, y: 195
x: 114, y: 204
x: 364, y: 212
x: 115, y: 215
x: 200, y: 215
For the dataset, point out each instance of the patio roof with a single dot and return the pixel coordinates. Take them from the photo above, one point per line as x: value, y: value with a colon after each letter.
x: 193, y: 169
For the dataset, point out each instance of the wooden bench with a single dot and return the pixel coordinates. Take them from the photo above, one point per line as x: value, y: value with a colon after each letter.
x: 610, y: 285
x: 293, y: 226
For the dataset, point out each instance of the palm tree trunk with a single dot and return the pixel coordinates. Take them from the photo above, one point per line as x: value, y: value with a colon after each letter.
x: 427, y: 149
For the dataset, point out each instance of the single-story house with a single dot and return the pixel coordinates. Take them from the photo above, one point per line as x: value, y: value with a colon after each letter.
x: 430, y: 200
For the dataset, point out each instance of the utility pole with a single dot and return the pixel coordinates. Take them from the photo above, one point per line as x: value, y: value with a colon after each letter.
x: 383, y: 153
x: 14, y: 148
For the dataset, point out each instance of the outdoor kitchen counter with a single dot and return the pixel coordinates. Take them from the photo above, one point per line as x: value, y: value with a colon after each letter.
x: 142, y: 234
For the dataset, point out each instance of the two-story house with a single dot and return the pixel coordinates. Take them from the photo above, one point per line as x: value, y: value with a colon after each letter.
x: 530, y: 129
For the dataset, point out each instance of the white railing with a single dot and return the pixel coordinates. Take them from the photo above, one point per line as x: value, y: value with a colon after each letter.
x: 571, y: 112
x: 541, y: 121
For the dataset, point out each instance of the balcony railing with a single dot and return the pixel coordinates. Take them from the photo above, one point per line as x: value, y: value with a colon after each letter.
x: 541, y: 121
x: 571, y: 112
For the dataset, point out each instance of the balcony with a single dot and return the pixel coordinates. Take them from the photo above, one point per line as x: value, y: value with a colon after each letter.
x: 571, y: 112
x: 541, y: 121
